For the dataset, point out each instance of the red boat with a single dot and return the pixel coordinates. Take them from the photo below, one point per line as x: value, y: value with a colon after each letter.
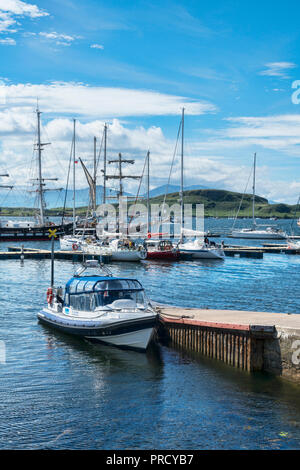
x: 161, y: 250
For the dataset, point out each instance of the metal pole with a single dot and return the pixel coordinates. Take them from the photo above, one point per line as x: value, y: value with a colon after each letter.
x: 74, y: 190
x: 95, y: 175
x: 104, y: 164
x: 120, y: 173
x: 253, y: 202
x: 52, y: 261
x: 40, y: 167
x: 181, y: 181
x: 148, y: 192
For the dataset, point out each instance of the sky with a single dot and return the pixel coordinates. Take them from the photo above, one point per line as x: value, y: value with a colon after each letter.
x: 233, y: 66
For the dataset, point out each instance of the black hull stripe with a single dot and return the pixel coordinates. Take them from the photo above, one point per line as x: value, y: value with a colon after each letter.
x: 110, y: 331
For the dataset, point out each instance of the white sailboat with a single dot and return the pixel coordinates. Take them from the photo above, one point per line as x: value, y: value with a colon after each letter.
x: 118, y: 250
x: 196, y: 248
x: 258, y: 231
x: 74, y: 242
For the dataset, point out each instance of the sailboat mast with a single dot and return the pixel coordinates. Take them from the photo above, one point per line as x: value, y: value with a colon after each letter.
x: 148, y: 192
x: 104, y: 164
x: 74, y: 163
x: 95, y: 175
x: 121, y: 176
x: 40, y: 179
x: 181, y: 179
x: 253, y: 201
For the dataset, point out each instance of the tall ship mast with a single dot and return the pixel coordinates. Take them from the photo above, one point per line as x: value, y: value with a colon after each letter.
x: 28, y: 229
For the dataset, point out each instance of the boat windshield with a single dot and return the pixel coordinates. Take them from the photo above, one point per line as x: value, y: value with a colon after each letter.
x: 89, y: 295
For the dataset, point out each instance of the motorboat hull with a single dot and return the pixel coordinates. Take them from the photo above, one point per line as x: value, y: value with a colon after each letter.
x: 127, y: 255
x: 133, y: 334
x: 203, y: 253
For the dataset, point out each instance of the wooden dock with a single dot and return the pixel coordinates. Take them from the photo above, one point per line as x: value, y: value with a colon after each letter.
x: 17, y: 252
x: 250, y: 341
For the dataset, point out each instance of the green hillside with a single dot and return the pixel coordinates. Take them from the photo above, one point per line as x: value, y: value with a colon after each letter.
x: 217, y: 203
x: 221, y: 203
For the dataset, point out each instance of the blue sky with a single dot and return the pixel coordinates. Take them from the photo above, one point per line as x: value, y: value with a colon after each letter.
x: 135, y: 64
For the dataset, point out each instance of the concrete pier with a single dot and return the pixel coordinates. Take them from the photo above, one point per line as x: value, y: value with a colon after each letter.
x: 252, y: 341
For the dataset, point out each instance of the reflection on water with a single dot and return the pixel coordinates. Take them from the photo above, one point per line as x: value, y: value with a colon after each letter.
x: 57, y: 391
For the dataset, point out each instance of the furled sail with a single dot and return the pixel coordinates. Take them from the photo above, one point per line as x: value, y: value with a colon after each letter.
x: 91, y: 184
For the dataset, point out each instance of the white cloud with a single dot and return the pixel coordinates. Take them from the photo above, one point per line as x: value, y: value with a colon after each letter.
x: 91, y: 106
x: 278, y: 69
x: 12, y: 10
x: 8, y: 41
x: 17, y: 7
x: 90, y: 101
x: 214, y: 159
x: 54, y: 35
x: 60, y: 39
x: 96, y: 46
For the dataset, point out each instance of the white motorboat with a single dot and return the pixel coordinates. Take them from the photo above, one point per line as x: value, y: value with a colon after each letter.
x: 197, y: 249
x: 102, y: 308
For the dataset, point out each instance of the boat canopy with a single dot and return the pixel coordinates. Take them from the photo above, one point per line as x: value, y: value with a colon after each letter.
x: 80, y: 285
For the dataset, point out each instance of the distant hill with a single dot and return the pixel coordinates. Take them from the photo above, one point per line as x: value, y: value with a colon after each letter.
x: 54, y: 199
x: 222, y: 203
x: 171, y: 188
x: 217, y: 203
x: 22, y: 198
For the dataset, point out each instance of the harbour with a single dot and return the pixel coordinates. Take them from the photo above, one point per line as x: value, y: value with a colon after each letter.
x: 175, y: 381
x: 149, y: 229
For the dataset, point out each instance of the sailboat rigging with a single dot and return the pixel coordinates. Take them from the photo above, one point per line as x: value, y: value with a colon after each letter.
x: 255, y: 231
x: 34, y: 230
x: 196, y: 248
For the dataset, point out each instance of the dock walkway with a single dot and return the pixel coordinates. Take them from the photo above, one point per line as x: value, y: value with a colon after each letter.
x: 247, y: 340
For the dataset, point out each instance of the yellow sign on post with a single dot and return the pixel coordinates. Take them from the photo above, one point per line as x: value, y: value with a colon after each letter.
x: 52, y: 233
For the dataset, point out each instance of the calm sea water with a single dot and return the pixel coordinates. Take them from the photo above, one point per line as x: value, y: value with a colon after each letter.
x: 59, y: 392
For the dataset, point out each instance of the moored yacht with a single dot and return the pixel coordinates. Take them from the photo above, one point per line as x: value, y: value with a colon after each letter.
x: 118, y: 249
x: 74, y: 242
x: 102, y: 308
x: 257, y: 231
x: 161, y: 250
x: 198, y: 249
